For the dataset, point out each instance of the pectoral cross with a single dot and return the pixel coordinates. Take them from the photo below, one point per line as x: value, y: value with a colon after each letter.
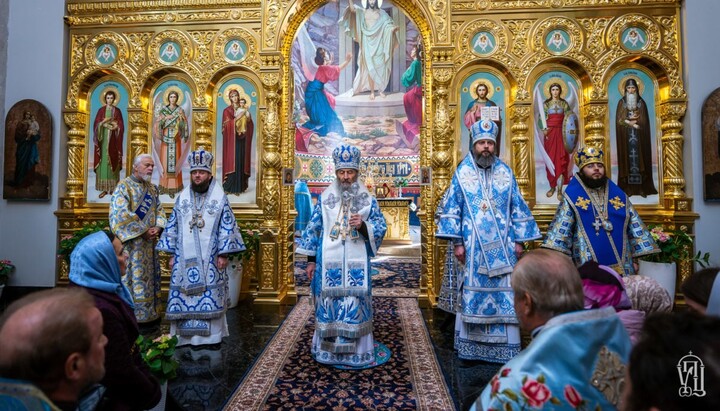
x: 597, y: 224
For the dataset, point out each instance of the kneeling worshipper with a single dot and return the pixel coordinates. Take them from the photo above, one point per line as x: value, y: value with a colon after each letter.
x: 345, y: 229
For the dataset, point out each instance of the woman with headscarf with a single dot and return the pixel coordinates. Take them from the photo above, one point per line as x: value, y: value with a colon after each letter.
x: 97, y: 264
x: 702, y: 292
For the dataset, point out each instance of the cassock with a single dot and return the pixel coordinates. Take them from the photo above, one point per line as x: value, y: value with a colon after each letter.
x: 484, y: 210
x: 134, y: 208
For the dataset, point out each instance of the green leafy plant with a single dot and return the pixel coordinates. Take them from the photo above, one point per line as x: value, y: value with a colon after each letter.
x: 158, y: 354
x: 6, y: 269
x: 69, y: 241
x: 251, y: 238
x: 675, y: 246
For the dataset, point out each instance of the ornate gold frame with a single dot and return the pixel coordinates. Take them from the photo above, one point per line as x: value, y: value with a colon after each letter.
x: 446, y: 27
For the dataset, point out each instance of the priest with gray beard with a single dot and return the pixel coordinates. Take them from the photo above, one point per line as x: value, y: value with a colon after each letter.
x: 486, y: 220
x: 634, y: 149
x: 137, y: 218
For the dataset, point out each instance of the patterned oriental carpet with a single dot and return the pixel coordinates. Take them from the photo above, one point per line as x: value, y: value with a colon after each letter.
x: 285, y: 376
x: 395, y: 277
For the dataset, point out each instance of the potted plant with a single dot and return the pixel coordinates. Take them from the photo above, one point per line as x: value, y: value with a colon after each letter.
x: 159, y: 355
x: 69, y: 241
x: 251, y: 238
x: 675, y: 246
x: 6, y: 270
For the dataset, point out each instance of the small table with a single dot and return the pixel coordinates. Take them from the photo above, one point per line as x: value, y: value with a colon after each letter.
x: 397, y: 216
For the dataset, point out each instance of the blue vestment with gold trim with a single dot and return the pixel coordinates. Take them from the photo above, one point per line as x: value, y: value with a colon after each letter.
x: 578, y: 231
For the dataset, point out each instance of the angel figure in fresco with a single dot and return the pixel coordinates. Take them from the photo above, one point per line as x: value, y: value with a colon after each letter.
x: 409, y: 130
x: 171, y: 130
x: 633, y: 37
x: 170, y: 52
x: 557, y: 40
x: 376, y: 34
x: 108, y: 132
x: 107, y: 54
x: 235, y: 50
x: 483, y: 43
x: 556, y: 123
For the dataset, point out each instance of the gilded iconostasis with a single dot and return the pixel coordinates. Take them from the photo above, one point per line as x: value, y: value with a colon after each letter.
x: 269, y: 86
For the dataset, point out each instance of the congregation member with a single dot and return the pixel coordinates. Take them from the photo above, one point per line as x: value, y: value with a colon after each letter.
x: 486, y: 220
x: 345, y: 230
x: 702, y: 291
x: 576, y: 359
x: 603, y: 287
x: 137, y: 218
x: 596, y: 221
x: 52, y: 352
x: 200, y: 234
x: 98, y: 263
x: 675, y: 366
x: 647, y: 295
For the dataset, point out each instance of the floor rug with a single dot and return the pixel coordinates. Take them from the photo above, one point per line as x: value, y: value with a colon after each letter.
x: 392, y: 277
x: 285, y: 376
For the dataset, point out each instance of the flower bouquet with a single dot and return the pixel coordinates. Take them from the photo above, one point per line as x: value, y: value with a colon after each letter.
x: 6, y: 269
x: 158, y: 354
x: 675, y: 246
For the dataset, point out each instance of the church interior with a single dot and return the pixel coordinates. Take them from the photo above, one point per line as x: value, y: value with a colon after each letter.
x: 298, y: 71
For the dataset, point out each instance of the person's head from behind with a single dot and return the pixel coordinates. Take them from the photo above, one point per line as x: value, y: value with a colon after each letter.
x: 545, y: 284
x: 664, y: 372
x: 54, y: 339
x: 698, y: 287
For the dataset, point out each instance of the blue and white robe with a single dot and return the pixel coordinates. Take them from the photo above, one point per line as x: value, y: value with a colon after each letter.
x: 484, y: 210
x: 198, y: 297
x: 572, y: 232
x: 341, y: 286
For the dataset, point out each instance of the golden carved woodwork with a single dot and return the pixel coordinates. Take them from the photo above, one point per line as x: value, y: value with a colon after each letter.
x: 397, y: 218
x: 447, y: 27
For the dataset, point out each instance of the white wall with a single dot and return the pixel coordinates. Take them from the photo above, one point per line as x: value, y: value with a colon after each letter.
x: 35, y: 70
x: 701, y: 77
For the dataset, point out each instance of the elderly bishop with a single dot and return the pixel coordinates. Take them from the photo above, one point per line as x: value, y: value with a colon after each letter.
x: 344, y: 231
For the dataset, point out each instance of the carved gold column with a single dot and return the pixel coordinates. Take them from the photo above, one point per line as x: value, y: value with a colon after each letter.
x: 202, y: 124
x: 672, y: 148
x: 138, y: 133
x: 442, y: 166
x: 76, y: 121
x: 594, y: 114
x: 519, y: 114
x: 271, y: 281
